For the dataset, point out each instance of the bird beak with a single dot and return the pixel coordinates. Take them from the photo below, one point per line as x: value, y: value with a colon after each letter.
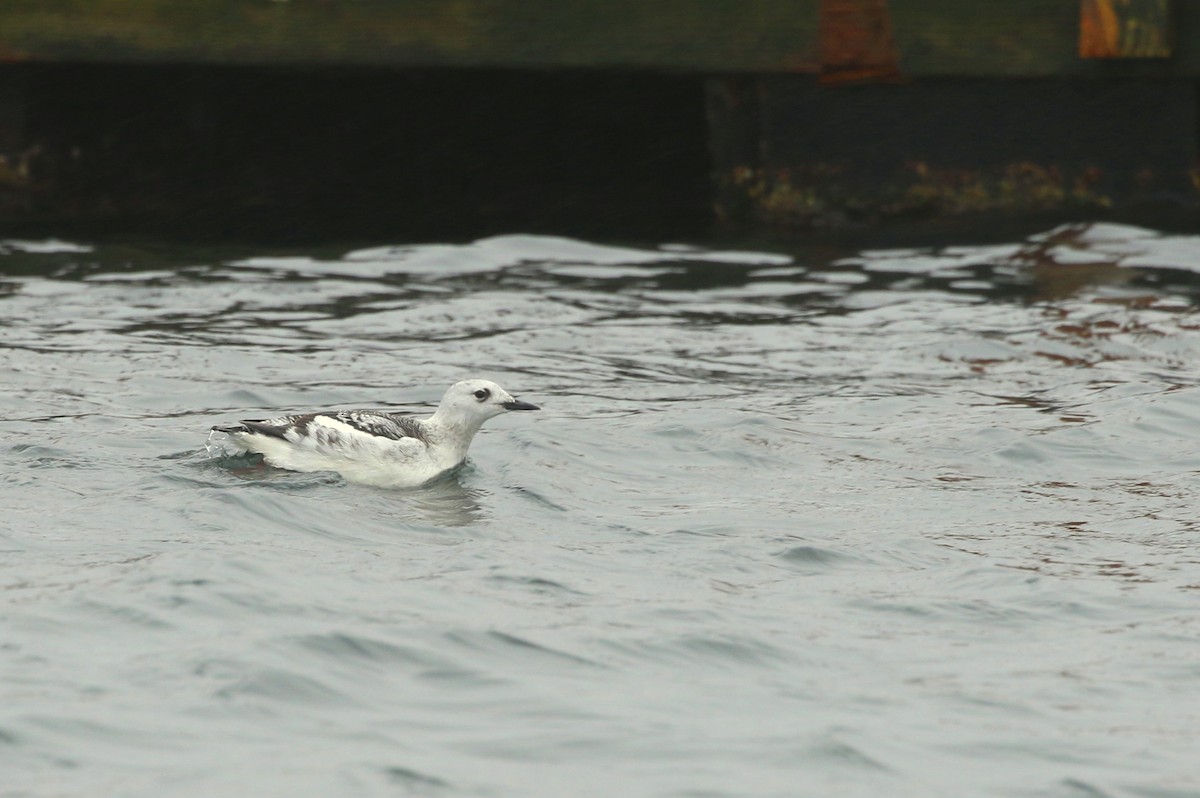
x: 516, y: 405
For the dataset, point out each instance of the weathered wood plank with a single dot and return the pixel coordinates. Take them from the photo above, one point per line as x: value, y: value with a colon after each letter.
x: 933, y: 37
x: 667, y: 34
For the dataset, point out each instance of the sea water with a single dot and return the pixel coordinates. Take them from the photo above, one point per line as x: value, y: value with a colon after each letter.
x: 822, y: 520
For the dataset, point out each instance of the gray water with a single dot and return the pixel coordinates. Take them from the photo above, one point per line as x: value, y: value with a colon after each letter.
x: 790, y: 522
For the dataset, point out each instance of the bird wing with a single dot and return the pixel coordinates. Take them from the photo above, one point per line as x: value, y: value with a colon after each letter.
x: 383, y: 425
x: 341, y: 432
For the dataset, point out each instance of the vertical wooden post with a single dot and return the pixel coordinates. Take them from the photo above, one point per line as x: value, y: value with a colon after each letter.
x: 13, y: 158
x: 734, y: 113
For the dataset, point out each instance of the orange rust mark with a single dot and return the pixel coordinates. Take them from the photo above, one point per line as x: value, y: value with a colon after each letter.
x: 1124, y: 28
x: 857, y: 44
x: 1099, y: 29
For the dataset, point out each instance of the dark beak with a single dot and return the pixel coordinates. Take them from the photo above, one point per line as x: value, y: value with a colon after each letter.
x: 515, y: 405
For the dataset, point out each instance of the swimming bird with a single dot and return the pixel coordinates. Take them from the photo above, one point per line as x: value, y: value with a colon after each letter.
x: 375, y: 447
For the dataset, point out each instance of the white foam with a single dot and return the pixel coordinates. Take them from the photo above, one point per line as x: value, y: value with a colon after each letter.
x: 51, y: 246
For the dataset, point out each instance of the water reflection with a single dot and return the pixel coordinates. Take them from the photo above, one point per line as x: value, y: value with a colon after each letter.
x: 445, y: 502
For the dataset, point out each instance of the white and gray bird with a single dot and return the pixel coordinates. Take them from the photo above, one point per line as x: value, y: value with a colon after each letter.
x: 375, y: 447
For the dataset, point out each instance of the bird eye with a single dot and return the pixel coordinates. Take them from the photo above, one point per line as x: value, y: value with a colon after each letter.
x: 482, y: 393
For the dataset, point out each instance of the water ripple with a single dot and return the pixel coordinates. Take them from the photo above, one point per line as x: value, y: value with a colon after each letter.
x: 823, y: 518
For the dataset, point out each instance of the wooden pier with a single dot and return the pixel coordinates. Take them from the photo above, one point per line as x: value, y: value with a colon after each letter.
x: 516, y: 113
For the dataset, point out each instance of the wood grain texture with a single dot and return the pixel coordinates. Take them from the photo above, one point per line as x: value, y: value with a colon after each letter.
x: 1015, y: 38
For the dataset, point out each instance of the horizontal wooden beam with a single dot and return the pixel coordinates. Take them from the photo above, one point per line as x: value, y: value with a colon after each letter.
x: 1014, y: 38
x: 665, y: 34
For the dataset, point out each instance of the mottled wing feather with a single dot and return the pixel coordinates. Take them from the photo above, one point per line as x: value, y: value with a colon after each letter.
x: 383, y: 425
x: 371, y: 422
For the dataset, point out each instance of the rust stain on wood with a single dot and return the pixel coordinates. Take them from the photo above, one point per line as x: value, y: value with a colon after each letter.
x: 856, y: 42
x: 1125, y: 28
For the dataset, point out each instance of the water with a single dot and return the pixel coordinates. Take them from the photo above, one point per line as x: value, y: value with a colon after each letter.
x: 791, y: 522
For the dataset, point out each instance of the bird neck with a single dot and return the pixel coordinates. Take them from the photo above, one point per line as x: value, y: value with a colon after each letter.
x: 452, y: 431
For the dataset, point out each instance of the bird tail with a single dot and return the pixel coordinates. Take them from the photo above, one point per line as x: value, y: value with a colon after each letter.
x: 229, y: 429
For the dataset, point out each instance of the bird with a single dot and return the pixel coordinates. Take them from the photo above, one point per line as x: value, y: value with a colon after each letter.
x: 376, y: 447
